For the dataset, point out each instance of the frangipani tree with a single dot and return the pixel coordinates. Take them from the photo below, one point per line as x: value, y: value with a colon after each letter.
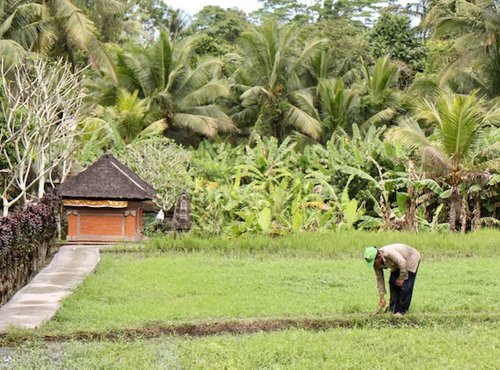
x: 39, y: 130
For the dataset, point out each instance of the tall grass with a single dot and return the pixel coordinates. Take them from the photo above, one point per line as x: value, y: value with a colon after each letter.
x: 338, y: 244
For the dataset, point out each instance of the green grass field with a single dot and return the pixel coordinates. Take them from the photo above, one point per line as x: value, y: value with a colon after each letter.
x: 127, y: 313
x: 434, y: 347
x: 131, y: 290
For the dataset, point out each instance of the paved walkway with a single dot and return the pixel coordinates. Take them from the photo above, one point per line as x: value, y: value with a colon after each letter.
x: 39, y: 300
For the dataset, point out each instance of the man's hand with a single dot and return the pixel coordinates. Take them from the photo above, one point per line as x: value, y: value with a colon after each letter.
x: 382, y: 302
x: 399, y: 282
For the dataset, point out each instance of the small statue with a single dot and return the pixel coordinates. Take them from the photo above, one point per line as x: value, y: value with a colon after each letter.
x: 181, y: 221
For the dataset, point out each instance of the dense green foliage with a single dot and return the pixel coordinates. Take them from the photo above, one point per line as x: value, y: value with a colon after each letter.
x: 297, y: 117
x: 356, y: 180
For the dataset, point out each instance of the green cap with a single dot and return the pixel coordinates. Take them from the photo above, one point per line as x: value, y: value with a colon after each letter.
x: 370, y: 254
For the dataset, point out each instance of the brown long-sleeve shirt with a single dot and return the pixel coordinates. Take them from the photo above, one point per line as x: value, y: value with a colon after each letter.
x: 397, y: 256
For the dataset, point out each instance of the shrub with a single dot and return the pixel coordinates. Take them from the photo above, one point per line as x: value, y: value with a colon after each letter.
x: 27, y: 241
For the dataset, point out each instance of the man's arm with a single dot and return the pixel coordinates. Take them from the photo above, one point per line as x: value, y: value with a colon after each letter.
x: 381, y: 285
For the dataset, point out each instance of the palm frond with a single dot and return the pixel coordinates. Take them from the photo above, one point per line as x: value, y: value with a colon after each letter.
x: 206, y: 94
x: 427, y: 87
x: 6, y: 24
x: 11, y: 51
x: 204, y: 73
x: 304, y: 100
x: 492, y: 117
x: 383, y: 76
x: 101, y: 59
x: 307, y: 55
x: 79, y: 28
x: 492, y: 165
x: 154, y: 128
x: 460, y: 123
x: 335, y: 101
x: 140, y: 68
x: 409, y: 133
x: 103, y: 6
x: 25, y: 24
x: 435, y: 160
x: 451, y: 25
x: 162, y: 53
x: 252, y: 95
x: 303, y: 122
x: 203, y: 125
x: 246, y: 115
x: 380, y: 117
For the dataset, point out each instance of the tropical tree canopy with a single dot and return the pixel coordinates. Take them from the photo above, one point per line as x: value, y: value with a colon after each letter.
x: 274, y: 97
x: 299, y: 116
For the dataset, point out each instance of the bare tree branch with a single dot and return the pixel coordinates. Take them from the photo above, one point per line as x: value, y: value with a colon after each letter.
x: 41, y: 105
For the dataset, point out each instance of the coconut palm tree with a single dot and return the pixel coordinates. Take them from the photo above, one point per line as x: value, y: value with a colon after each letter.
x: 336, y: 104
x: 275, y: 99
x: 69, y: 29
x: 379, y: 96
x: 456, y: 148
x: 177, y: 23
x: 181, y: 93
x: 476, y: 26
x: 18, y: 28
x: 54, y: 27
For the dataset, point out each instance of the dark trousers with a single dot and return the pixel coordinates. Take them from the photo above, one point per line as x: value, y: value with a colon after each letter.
x: 401, y: 296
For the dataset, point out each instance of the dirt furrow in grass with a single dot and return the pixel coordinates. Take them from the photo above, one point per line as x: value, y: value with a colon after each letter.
x: 249, y: 326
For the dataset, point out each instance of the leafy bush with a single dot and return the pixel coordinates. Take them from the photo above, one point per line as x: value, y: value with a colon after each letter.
x: 160, y: 162
x: 26, y: 242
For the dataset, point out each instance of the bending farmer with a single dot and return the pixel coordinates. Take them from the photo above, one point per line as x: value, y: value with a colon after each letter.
x: 403, y: 261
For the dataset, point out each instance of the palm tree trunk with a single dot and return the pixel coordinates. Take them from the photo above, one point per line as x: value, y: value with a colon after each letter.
x: 463, y: 215
x: 411, y: 211
x: 455, y: 201
x: 476, y: 213
x: 72, y: 58
x: 385, y: 210
x: 277, y: 130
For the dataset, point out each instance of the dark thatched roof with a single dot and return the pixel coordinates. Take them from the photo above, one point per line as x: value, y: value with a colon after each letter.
x: 107, y: 178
